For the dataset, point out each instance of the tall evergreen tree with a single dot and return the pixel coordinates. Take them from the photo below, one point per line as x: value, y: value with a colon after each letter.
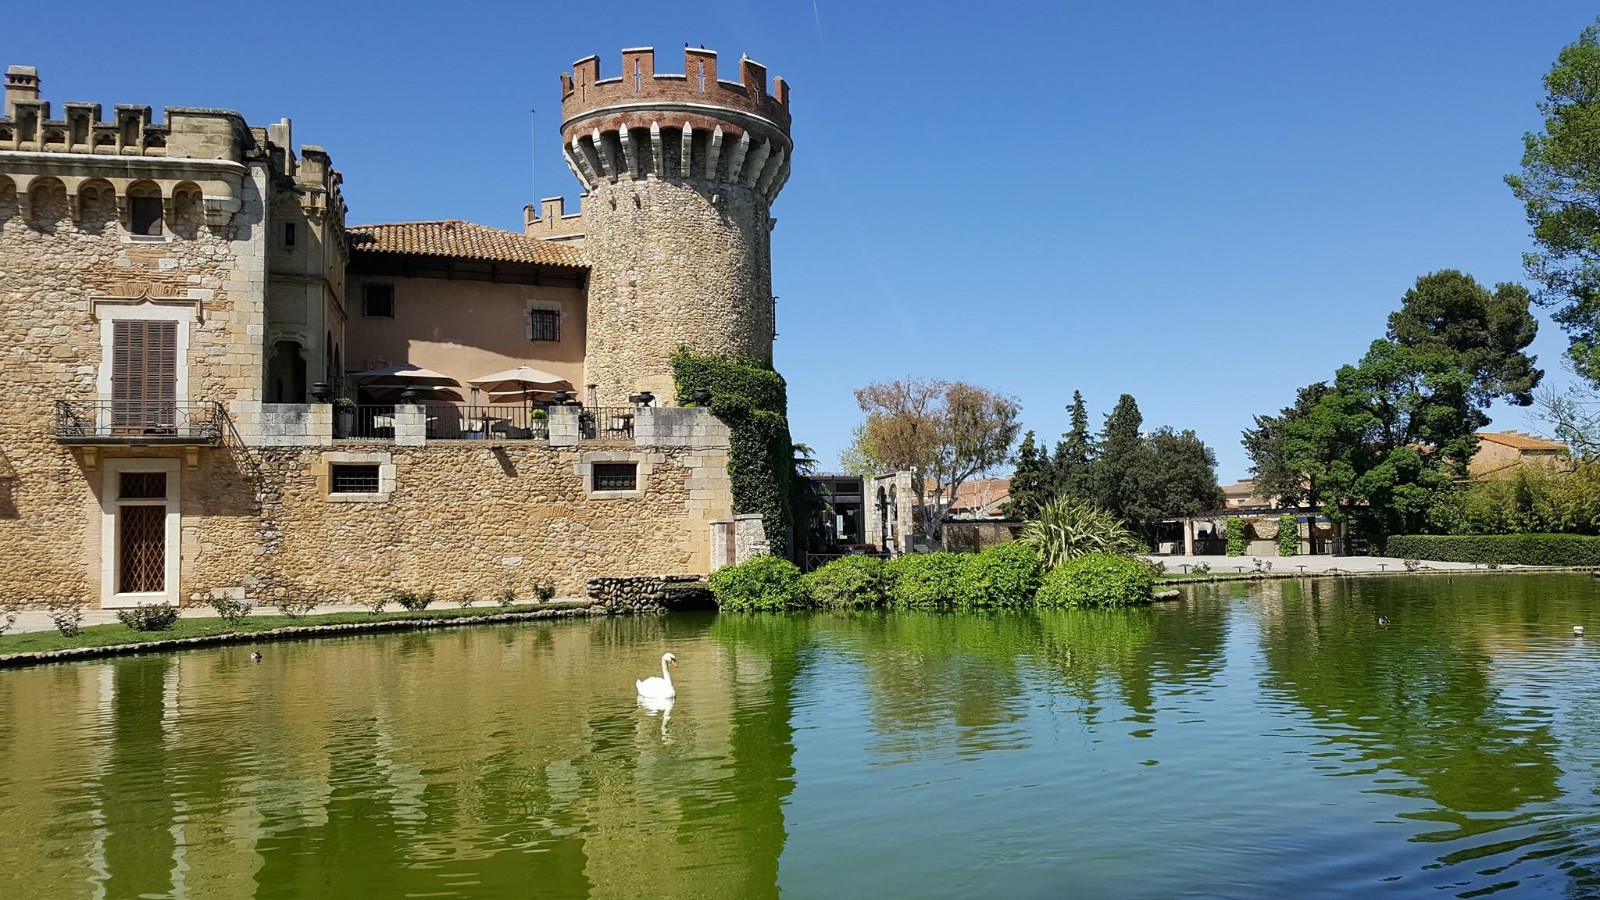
x: 1074, y: 454
x: 1032, y: 481
x: 1121, y: 452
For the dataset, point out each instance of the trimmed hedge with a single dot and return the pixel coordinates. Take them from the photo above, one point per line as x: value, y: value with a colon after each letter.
x: 1098, y: 580
x: 1499, y: 549
x: 1003, y: 575
x: 761, y: 583
x: 923, y: 580
x: 849, y: 581
x: 1288, y: 535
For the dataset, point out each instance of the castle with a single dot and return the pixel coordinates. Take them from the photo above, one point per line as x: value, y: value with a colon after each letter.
x: 215, y: 386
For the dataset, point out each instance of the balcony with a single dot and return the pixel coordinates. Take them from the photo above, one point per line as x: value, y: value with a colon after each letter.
x: 139, y: 424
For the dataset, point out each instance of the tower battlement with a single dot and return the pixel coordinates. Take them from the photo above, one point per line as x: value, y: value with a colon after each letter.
x: 584, y: 93
x: 694, y: 126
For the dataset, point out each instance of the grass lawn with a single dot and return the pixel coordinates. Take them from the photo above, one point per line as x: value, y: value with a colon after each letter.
x: 118, y: 633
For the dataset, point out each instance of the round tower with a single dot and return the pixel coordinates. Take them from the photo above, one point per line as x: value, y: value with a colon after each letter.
x: 681, y: 172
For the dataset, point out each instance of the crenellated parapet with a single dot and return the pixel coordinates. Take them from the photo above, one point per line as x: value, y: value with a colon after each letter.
x: 550, y: 221
x: 195, y: 161
x: 690, y: 126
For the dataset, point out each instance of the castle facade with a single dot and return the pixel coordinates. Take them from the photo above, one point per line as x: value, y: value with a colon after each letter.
x: 214, y: 385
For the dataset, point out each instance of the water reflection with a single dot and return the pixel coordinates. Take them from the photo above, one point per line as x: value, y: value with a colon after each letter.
x: 1270, y: 739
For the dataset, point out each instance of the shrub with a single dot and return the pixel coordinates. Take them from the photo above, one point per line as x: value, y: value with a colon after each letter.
x: 1068, y: 527
x: 412, y: 601
x: 376, y: 605
x: 149, y: 617
x: 545, y: 591
x: 1098, y: 580
x: 505, y: 598
x: 465, y: 601
x: 849, y: 581
x: 1235, y: 537
x: 294, y: 607
x: 758, y: 583
x: 66, y: 615
x: 1202, y: 568
x: 1003, y: 575
x: 1499, y: 549
x: 1288, y: 535
x: 232, y: 611
x: 922, y: 580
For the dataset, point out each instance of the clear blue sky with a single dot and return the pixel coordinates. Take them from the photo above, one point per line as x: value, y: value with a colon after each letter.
x: 1206, y: 205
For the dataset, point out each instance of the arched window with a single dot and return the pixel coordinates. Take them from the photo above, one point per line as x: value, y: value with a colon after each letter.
x: 144, y: 209
x: 286, y: 373
x: 97, y: 204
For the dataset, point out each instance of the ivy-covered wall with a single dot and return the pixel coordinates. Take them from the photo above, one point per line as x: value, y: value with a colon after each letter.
x: 753, y: 400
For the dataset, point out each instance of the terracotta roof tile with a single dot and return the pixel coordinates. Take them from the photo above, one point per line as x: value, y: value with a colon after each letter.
x: 1518, y: 441
x: 462, y: 240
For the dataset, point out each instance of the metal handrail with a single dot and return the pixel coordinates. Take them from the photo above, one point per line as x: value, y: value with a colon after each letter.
x: 606, y: 423
x: 139, y: 422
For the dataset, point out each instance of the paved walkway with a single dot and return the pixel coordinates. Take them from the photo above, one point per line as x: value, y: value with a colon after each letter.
x: 1310, y: 565
x: 39, y: 620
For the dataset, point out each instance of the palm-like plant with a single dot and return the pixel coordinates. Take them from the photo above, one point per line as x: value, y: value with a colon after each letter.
x: 1069, y: 527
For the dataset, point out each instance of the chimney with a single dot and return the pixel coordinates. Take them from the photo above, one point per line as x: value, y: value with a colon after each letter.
x: 22, y: 83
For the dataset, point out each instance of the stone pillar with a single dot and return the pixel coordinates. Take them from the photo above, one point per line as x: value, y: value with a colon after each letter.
x: 564, y: 431
x: 749, y: 538
x: 722, y: 551
x: 410, y: 426
x: 1188, y: 537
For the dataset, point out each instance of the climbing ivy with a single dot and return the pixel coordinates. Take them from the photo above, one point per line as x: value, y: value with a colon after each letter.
x: 1288, y: 535
x: 1235, y: 537
x: 753, y: 400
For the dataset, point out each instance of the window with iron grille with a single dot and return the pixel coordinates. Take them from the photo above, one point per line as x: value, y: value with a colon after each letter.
x: 377, y: 300
x: 544, y: 324
x: 143, y: 486
x: 616, y: 476
x: 353, y: 479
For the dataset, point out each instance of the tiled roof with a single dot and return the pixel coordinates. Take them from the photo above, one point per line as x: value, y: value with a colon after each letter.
x: 462, y: 240
x: 1246, y: 488
x: 1519, y: 441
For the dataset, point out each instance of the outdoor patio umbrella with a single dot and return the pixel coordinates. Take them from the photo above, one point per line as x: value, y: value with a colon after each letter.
x: 520, y: 383
x: 428, y: 393
x: 388, y: 382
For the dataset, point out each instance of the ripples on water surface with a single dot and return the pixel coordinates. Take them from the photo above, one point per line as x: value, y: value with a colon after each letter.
x: 1262, y: 740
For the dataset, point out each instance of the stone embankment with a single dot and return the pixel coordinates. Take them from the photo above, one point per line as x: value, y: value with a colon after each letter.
x: 649, y: 593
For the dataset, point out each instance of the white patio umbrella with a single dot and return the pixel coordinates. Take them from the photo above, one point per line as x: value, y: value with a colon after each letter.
x: 406, y: 375
x: 520, y: 381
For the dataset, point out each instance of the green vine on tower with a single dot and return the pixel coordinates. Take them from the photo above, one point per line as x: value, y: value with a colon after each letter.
x: 751, y: 398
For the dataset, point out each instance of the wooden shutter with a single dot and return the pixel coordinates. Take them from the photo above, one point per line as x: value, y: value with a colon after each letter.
x: 144, y: 376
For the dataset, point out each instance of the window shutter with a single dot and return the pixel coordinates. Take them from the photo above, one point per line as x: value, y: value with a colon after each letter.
x: 144, y: 374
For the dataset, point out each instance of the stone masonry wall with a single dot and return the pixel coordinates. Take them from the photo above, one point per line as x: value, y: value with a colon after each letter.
x: 673, y: 262
x: 58, y: 277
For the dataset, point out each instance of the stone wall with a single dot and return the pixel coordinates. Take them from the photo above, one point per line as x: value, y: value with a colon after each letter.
x: 674, y: 263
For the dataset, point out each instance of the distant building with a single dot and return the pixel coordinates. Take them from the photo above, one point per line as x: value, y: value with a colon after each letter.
x: 1501, y: 453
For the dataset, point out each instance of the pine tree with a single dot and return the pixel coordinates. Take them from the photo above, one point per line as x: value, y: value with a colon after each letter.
x: 1122, y: 452
x: 1031, y: 483
x: 1074, y: 454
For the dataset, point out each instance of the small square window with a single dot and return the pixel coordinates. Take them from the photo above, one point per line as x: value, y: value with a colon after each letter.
x: 616, y: 477
x: 288, y: 235
x: 144, y: 215
x: 377, y: 301
x: 544, y: 325
x: 353, y: 479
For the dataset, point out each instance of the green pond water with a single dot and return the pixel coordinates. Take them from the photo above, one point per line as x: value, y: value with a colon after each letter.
x: 1252, y: 740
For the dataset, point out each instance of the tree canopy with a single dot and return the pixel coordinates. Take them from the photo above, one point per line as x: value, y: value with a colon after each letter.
x: 1393, y: 431
x: 1559, y: 186
x: 944, y: 432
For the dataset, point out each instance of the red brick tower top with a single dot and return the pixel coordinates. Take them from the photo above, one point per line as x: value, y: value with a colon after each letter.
x: 636, y: 123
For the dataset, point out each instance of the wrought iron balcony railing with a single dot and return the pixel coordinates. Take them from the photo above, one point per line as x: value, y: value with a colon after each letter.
x: 139, y: 422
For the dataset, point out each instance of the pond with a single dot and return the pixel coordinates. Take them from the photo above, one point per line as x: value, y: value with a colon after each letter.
x: 1251, y: 740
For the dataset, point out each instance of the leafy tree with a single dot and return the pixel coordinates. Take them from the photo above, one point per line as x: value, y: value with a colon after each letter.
x: 1180, y: 477
x: 1277, y: 473
x: 944, y: 432
x: 1393, y: 431
x: 1559, y: 187
x: 1032, y: 483
x: 1075, y: 452
x: 854, y: 458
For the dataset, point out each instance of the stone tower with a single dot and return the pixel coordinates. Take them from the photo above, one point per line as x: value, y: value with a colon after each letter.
x: 681, y: 172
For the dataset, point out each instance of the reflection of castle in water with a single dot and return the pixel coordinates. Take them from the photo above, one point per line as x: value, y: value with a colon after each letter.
x: 387, y: 767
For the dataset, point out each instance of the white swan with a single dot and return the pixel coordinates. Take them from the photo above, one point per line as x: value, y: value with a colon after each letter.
x: 659, y: 687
